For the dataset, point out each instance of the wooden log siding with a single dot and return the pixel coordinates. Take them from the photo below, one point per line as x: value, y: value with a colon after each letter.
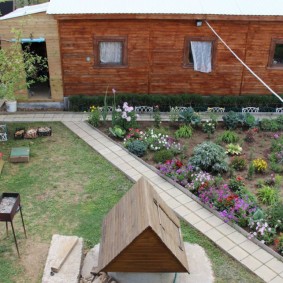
x: 155, y: 57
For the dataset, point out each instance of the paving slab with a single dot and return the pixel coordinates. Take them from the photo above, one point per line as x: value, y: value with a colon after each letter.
x: 70, y: 271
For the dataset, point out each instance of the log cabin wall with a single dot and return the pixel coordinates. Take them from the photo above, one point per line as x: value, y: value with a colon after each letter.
x: 39, y: 25
x: 155, y: 57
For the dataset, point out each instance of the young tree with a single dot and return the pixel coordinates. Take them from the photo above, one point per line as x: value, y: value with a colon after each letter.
x: 19, y: 68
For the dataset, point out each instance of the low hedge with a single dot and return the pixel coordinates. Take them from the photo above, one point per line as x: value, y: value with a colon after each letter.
x: 266, y: 103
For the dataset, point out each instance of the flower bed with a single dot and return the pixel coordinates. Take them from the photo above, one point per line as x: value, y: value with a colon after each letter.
x: 234, y: 167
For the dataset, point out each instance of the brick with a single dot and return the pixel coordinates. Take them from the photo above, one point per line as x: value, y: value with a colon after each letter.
x: 193, y: 206
x: 203, y: 213
x: 275, y: 265
x: 225, y: 244
x: 192, y: 218
x: 214, y: 235
x: 237, y: 237
x: 277, y: 279
x: 251, y: 263
x: 173, y: 203
x: 265, y: 273
x: 225, y: 229
x: 203, y: 226
x: 214, y: 221
x: 262, y: 255
x: 182, y: 210
x: 174, y: 192
x: 249, y: 246
x: 183, y: 198
x: 238, y: 253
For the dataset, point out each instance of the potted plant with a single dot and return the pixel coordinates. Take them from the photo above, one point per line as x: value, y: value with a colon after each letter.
x: 18, y: 70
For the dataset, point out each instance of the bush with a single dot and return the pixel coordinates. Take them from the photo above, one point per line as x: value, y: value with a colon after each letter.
x: 278, y: 242
x: 231, y: 120
x: 268, y: 195
x: 94, y: 116
x: 274, y: 216
x: 260, y: 165
x: 236, y: 184
x: 269, y: 125
x: 185, y: 131
x: 249, y: 120
x: 233, y: 149
x: 163, y: 155
x: 238, y: 163
x: 117, y: 132
x: 209, y: 157
x: 137, y: 147
x: 189, y: 117
x: 250, y: 135
x: 228, y: 137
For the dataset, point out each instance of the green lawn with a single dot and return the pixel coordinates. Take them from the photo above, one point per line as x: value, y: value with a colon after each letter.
x: 67, y: 188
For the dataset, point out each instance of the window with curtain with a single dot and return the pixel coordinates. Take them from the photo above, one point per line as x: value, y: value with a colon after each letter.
x: 110, y: 51
x: 199, y: 54
x: 276, y: 54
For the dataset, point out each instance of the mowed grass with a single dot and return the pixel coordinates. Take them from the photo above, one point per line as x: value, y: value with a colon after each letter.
x: 67, y: 188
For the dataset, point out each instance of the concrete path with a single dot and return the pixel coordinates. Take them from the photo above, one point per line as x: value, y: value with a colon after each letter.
x: 252, y: 256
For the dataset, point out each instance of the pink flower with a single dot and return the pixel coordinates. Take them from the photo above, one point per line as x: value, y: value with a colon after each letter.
x: 113, y: 90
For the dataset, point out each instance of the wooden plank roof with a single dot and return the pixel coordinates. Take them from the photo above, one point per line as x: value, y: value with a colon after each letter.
x: 142, y: 234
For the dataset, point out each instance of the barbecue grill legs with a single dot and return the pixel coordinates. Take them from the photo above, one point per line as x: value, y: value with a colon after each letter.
x: 7, y: 228
x: 23, y: 221
x: 15, y: 238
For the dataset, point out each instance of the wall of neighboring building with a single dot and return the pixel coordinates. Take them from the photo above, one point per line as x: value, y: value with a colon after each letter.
x: 155, y: 57
x: 39, y: 25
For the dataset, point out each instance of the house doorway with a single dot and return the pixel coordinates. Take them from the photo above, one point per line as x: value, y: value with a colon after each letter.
x: 38, y: 90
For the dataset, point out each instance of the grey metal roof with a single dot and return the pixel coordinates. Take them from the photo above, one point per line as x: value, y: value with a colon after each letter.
x: 27, y: 10
x: 207, y: 7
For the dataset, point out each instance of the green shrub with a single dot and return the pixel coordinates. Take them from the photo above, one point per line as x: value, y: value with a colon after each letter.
x: 185, y: 131
x: 137, y: 147
x: 279, y: 244
x: 233, y: 149
x: 117, y: 132
x: 163, y: 155
x: 249, y: 120
x: 275, y: 215
x: 269, y: 125
x: 209, y: 157
x: 228, y: 137
x: 238, y: 163
x: 236, y: 183
x: 268, y: 195
x: 94, y: 116
x: 251, y: 171
x: 231, y: 120
x: 189, y: 116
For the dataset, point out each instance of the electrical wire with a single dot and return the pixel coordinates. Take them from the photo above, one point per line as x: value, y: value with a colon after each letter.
x: 243, y: 63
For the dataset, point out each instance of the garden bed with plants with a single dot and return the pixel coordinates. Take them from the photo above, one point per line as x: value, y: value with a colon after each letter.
x: 234, y: 167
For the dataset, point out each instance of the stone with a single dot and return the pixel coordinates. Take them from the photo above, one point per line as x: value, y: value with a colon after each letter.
x: 70, y: 270
x: 199, y: 266
x: 90, y: 262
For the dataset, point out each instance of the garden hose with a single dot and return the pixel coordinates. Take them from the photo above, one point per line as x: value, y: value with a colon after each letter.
x: 175, y: 277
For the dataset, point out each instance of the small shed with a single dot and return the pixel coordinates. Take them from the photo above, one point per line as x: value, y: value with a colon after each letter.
x: 142, y: 234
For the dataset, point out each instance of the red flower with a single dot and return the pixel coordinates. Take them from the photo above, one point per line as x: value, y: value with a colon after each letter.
x: 179, y: 163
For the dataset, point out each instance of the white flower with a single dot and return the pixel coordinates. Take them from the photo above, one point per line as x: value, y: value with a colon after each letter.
x: 128, y: 119
x: 263, y: 241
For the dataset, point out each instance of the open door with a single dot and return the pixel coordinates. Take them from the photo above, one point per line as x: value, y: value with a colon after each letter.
x: 38, y: 90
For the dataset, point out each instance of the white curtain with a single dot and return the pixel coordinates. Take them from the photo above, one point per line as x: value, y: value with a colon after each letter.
x: 110, y: 52
x: 201, y: 51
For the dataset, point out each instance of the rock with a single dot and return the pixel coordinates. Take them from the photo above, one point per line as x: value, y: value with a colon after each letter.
x: 90, y: 261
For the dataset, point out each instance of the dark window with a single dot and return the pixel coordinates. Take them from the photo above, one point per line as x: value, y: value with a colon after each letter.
x: 276, y: 54
x: 196, y: 47
x: 110, y: 52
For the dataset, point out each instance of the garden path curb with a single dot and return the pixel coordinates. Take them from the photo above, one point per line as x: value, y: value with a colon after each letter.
x: 251, y: 255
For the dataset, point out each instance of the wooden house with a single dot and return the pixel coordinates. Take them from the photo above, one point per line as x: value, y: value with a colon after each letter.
x: 156, y: 46
x: 141, y: 234
x: 40, y: 31
x: 148, y: 46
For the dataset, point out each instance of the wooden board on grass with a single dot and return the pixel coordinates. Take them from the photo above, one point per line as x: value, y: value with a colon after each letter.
x: 63, y: 253
x: 1, y: 165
